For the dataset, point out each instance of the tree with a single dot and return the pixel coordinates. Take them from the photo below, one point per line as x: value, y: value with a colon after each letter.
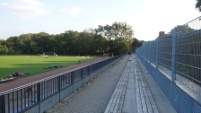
x: 136, y: 43
x: 117, y: 30
x: 198, y: 5
x: 118, y: 34
x: 24, y: 43
x: 70, y: 43
x: 116, y: 38
x: 13, y: 45
x: 183, y: 29
x: 85, y: 41
x: 99, y: 44
x: 3, y: 48
x: 122, y: 46
x: 33, y: 47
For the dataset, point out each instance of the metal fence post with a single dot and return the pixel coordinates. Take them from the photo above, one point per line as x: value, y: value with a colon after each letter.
x: 59, y: 86
x: 59, y: 83
x: 72, y: 77
x: 2, y: 104
x: 174, y: 38
x: 157, y: 52
x: 149, y: 52
x: 174, y: 33
x: 38, y: 96
x: 38, y: 92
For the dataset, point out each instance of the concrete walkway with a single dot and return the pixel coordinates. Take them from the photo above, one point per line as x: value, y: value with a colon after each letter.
x: 94, y: 96
x: 138, y: 97
x: 126, y: 87
x: 160, y: 100
x: 142, y: 93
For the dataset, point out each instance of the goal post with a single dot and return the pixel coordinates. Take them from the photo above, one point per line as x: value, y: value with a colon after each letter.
x: 49, y: 53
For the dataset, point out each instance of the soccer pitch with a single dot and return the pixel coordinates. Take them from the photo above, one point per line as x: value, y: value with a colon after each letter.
x: 36, y: 64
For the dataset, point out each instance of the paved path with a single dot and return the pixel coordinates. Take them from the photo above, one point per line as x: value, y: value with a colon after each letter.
x: 160, y: 100
x: 93, y: 97
x: 136, y: 92
x: 132, y: 95
x: 126, y: 87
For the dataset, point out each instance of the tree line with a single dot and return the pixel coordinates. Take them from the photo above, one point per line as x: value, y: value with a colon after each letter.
x: 117, y: 38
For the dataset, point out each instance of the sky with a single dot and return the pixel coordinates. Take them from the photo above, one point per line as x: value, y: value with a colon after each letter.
x: 147, y: 17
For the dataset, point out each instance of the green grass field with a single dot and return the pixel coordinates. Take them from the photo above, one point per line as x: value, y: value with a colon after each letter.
x: 35, y: 64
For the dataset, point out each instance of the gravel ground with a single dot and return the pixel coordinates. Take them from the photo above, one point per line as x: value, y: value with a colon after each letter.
x: 94, y: 96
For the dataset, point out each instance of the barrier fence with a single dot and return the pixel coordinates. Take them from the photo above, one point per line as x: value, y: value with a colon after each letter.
x: 40, y: 96
x: 174, y: 61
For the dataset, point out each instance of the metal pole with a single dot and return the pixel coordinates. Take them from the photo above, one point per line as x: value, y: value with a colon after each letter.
x: 174, y: 38
x: 157, y: 52
x: 59, y: 86
x: 38, y: 92
x: 2, y: 104
x: 38, y: 96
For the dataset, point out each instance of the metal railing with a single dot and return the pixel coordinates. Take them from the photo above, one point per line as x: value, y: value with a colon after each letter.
x: 41, y: 95
x: 174, y: 61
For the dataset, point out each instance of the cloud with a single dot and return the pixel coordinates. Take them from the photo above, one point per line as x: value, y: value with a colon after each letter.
x: 75, y: 10
x: 64, y: 10
x: 25, y: 8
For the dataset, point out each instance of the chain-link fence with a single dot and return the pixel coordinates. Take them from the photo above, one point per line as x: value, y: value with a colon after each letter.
x: 177, y: 56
